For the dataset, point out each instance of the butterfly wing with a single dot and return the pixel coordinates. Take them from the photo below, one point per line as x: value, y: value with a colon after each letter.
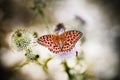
x: 50, y: 42
x: 69, y: 39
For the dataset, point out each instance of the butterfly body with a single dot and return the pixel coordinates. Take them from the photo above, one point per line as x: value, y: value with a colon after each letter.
x: 63, y: 42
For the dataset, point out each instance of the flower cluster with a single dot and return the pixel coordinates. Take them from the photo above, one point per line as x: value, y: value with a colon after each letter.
x: 21, y: 39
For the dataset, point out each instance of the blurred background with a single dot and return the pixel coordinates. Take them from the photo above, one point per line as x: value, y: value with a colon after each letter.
x: 98, y: 55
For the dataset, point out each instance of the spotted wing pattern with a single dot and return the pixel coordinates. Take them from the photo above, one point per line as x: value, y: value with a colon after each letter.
x: 69, y: 39
x: 50, y: 42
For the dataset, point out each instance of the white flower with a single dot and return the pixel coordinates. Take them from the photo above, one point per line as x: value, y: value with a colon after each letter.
x: 71, y: 53
x: 21, y: 39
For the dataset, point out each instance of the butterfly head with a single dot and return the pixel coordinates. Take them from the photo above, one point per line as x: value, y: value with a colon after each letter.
x: 60, y: 28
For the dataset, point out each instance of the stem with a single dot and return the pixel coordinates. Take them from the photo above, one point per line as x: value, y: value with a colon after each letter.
x: 20, y: 66
x: 67, y: 69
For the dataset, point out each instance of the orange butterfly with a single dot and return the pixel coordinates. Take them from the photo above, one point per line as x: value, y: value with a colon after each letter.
x: 63, y: 42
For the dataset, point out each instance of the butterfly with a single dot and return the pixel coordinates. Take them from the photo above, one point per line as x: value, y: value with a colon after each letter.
x: 63, y: 42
